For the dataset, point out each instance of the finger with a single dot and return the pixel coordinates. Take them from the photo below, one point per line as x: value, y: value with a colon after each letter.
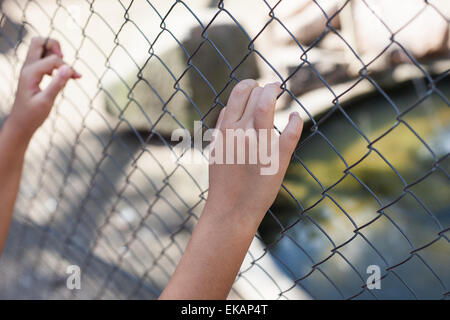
x: 247, y: 117
x: 44, y: 67
x: 265, y: 110
x: 290, y: 136
x: 48, y: 96
x: 220, y: 119
x: 218, y: 125
x: 238, y: 100
x: 36, y: 49
x: 51, y: 46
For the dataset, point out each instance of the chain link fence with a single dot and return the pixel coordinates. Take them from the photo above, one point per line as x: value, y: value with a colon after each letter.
x: 367, y: 187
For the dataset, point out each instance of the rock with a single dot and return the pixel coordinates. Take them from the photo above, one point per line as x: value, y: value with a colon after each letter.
x: 154, y: 99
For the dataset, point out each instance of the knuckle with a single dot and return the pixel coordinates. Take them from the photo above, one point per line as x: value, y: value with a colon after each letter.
x: 263, y: 108
x: 240, y: 89
x: 37, y: 40
x: 53, y: 43
x: 244, y: 86
x: 55, y: 59
x: 249, y: 83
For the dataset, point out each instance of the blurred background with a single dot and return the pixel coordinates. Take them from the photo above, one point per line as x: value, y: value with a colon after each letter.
x: 368, y: 184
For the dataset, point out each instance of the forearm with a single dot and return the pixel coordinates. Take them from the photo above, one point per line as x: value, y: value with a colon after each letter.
x: 12, y: 152
x: 213, y: 257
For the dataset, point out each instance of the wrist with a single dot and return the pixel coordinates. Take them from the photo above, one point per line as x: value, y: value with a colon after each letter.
x: 13, y: 133
x: 236, y: 217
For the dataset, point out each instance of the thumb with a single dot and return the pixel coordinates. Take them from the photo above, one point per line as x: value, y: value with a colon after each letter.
x: 290, y: 136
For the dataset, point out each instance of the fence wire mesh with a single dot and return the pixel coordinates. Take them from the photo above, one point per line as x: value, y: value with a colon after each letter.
x: 368, y: 184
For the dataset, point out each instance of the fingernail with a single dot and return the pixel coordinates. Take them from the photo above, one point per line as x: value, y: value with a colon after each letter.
x: 76, y: 74
x: 294, y: 114
x: 277, y: 83
x: 65, y: 71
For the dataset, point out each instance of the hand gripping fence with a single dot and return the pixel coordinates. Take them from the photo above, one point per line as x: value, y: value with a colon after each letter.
x: 367, y: 188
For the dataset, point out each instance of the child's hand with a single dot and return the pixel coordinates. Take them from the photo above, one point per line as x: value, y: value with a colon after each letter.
x: 33, y: 105
x: 239, y: 196
x: 241, y: 187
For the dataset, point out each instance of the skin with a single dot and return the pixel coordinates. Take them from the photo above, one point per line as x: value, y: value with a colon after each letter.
x: 239, y: 196
x: 31, y: 108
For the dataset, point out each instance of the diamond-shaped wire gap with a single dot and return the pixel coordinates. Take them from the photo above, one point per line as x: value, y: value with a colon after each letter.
x: 433, y: 109
x: 414, y: 266
x: 345, y: 275
x: 432, y: 255
x: 114, y: 25
x: 309, y: 237
x: 391, y: 243
x: 362, y: 255
x: 433, y: 205
x: 294, y: 193
x: 320, y: 284
x: 408, y: 157
x: 344, y: 193
x: 392, y: 277
x: 358, y: 112
x: 335, y: 222
x: 371, y: 171
x: 255, y: 261
x: 312, y: 150
x: 410, y: 217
